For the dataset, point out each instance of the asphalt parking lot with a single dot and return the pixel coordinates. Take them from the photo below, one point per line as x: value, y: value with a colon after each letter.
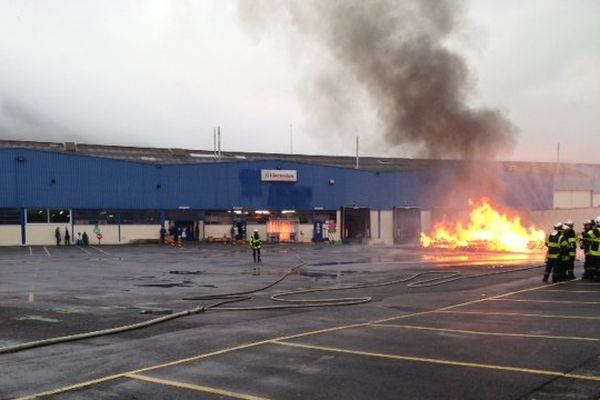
x: 494, y: 331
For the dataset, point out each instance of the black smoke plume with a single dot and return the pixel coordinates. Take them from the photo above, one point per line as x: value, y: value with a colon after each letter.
x: 395, y: 53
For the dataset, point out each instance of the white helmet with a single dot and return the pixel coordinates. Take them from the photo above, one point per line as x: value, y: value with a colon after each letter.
x: 597, y: 221
x: 569, y: 223
x: 558, y: 226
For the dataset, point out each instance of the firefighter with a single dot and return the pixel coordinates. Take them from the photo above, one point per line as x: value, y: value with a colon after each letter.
x: 557, y: 247
x: 594, y: 252
x: 256, y: 244
x: 585, y: 244
x: 569, y: 259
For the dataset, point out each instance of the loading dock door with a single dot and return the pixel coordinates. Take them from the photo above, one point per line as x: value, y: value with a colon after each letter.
x: 356, y: 223
x: 407, y: 225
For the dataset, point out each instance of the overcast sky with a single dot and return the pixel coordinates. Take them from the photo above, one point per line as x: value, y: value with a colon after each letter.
x: 165, y: 73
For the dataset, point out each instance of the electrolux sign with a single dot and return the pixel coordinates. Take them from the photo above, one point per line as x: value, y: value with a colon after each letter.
x: 278, y: 175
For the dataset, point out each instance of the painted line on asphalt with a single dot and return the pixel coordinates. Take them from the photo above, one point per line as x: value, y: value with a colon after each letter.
x: 30, y: 251
x: 100, y: 250
x: 443, y: 362
x: 47, y: 251
x: 197, y: 388
x: 84, y: 250
x: 548, y: 301
x: 572, y: 291
x: 469, y: 332
x: 467, y: 303
x: 508, y: 314
x: 255, y: 344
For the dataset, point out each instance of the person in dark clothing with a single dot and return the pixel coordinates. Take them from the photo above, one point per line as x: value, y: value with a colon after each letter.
x: 585, y: 244
x: 85, y: 239
x: 557, y: 248
x: 163, y: 234
x: 571, y: 236
x: 67, y: 237
x: 57, y: 236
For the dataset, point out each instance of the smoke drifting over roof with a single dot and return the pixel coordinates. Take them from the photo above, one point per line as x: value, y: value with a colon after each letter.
x: 394, y: 52
x: 20, y: 122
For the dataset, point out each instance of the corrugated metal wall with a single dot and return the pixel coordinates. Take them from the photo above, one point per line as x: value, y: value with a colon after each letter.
x: 38, y: 179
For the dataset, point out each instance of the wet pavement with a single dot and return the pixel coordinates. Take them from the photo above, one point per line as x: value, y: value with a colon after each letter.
x: 494, y: 331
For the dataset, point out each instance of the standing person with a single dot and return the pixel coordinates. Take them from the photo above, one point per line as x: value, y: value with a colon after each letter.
x: 557, y: 246
x: 67, y: 237
x: 163, y: 234
x: 256, y: 244
x: 57, y: 235
x: 79, y: 239
x: 585, y: 244
x: 594, y: 256
x: 571, y: 236
x: 85, y: 239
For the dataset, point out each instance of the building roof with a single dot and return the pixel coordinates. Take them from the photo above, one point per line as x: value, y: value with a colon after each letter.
x: 170, y: 156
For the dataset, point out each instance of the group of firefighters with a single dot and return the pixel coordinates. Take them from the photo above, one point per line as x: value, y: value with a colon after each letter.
x: 562, y: 245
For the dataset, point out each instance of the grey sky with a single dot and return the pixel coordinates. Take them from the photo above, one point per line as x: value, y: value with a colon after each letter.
x: 158, y: 73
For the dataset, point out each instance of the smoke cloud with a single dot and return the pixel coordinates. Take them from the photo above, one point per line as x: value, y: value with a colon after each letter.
x: 395, y: 53
x: 20, y: 122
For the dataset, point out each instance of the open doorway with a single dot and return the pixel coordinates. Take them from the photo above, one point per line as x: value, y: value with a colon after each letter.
x: 407, y: 225
x: 356, y: 224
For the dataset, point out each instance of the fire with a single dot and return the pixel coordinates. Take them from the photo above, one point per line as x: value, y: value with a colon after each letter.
x: 488, y: 229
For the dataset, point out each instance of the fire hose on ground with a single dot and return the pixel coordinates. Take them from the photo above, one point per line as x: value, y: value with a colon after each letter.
x: 234, y: 297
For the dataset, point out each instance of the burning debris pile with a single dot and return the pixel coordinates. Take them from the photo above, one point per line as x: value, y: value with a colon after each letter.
x: 487, y: 229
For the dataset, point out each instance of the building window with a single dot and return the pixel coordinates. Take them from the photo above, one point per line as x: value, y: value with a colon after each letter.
x: 93, y: 217
x: 60, y: 216
x: 218, y: 218
x: 10, y: 216
x: 140, y: 217
x: 37, y: 215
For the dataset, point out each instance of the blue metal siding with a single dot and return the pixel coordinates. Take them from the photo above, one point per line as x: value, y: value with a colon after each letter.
x: 92, y: 183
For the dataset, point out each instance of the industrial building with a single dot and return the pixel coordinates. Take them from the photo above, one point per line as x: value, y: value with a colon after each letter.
x: 121, y: 195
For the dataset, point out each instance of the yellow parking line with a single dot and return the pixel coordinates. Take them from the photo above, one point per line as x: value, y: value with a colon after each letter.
x: 71, y: 387
x: 525, y: 335
x: 197, y: 388
x: 521, y: 314
x: 548, y: 301
x: 255, y: 344
x: 100, y: 250
x: 467, y: 303
x: 47, y: 251
x: 443, y: 362
x: 572, y: 291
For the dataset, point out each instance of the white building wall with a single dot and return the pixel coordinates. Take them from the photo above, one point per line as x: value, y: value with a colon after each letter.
x: 217, y: 232
x: 130, y: 233
x: 572, y: 199
x: 10, y: 235
x: 596, y: 200
x: 382, y: 227
x: 110, y: 233
x: 547, y: 218
x: 42, y: 234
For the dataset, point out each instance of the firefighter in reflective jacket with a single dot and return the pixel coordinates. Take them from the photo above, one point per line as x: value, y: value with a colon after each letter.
x: 594, y: 252
x: 571, y: 236
x: 256, y: 244
x: 558, y: 247
x: 585, y: 244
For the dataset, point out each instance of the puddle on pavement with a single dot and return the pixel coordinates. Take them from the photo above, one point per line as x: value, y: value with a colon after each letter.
x: 167, y: 285
x: 186, y: 272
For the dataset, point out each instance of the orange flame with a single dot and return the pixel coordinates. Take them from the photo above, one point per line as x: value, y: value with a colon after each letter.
x: 488, y: 229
